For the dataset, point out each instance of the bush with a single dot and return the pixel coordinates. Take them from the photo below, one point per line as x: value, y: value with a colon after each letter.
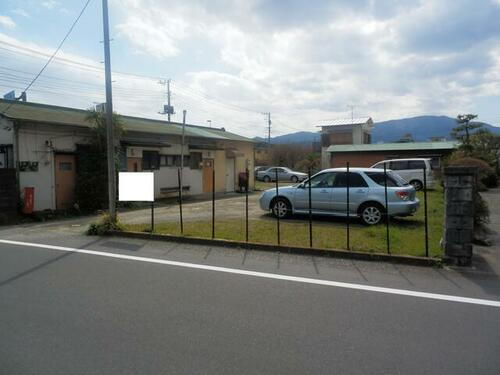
x: 481, y: 211
x: 103, y: 226
x: 486, y: 174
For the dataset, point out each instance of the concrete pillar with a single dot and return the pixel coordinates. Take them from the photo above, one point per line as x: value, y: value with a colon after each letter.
x: 459, y: 197
x: 325, y: 158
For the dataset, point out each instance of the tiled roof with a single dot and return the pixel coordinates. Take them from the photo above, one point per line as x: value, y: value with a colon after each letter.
x: 76, y: 117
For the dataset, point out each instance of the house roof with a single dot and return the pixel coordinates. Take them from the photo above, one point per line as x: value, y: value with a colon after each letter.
x: 36, y: 112
x: 346, y: 121
x: 408, y: 146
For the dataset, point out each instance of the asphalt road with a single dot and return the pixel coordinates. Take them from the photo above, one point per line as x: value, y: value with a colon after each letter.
x: 63, y: 312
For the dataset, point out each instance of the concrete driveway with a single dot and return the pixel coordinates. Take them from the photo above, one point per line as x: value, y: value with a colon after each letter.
x: 225, y: 208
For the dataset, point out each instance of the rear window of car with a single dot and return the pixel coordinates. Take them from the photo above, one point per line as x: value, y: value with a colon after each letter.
x: 393, y: 180
x: 355, y: 180
x: 416, y: 164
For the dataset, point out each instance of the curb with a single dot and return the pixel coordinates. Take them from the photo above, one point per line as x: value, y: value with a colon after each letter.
x: 322, y: 252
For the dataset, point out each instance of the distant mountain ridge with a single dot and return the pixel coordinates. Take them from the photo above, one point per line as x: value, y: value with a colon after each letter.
x: 422, y: 128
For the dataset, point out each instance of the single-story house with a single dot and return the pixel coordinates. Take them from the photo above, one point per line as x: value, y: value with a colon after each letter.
x: 365, y: 155
x: 41, y: 143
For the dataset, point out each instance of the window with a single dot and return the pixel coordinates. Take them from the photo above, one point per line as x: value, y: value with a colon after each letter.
x: 65, y: 166
x: 324, y: 180
x: 398, y: 165
x: 355, y: 180
x: 6, y: 156
x: 150, y: 160
x: 416, y: 164
x: 195, y: 160
x: 393, y: 180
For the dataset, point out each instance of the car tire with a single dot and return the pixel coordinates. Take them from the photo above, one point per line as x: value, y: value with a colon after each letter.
x: 417, y: 184
x: 266, y: 179
x: 281, y: 207
x: 371, y: 213
x: 294, y: 179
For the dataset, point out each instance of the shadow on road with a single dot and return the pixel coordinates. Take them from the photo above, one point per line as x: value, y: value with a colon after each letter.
x: 44, y: 264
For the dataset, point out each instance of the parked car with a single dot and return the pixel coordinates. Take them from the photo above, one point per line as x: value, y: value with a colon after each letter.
x: 258, y: 169
x: 411, y: 170
x: 329, y: 195
x: 284, y: 174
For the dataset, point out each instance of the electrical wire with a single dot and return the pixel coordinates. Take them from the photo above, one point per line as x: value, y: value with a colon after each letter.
x: 55, y: 52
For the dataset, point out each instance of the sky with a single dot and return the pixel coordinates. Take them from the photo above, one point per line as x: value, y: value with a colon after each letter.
x: 231, y: 61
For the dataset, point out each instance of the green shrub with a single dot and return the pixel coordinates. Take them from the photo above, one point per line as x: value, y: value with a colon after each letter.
x: 481, y: 211
x: 485, y: 173
x: 103, y: 226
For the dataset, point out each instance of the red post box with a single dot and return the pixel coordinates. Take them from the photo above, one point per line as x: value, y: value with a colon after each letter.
x: 29, y: 200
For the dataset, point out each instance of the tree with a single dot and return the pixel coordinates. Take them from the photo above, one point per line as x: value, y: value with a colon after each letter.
x: 92, y: 177
x: 463, y: 130
x: 486, y: 146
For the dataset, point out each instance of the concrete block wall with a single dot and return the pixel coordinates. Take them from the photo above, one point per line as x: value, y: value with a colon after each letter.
x: 459, y: 195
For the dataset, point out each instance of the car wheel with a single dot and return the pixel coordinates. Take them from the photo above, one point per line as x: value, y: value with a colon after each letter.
x: 281, y: 208
x: 266, y: 179
x: 417, y: 184
x: 371, y: 213
x: 294, y: 179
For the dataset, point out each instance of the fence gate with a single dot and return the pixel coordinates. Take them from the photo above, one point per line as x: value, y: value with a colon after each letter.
x: 8, y: 195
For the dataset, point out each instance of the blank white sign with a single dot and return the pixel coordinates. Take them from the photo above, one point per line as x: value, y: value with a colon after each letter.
x: 136, y: 187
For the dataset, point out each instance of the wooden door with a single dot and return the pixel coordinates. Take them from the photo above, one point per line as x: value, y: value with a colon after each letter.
x: 65, y: 176
x: 208, y: 168
x: 134, y: 164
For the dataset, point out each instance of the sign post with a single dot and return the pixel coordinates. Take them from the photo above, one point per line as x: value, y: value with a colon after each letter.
x: 137, y: 187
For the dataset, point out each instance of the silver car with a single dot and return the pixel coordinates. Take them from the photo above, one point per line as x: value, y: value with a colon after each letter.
x: 329, y: 195
x: 284, y: 174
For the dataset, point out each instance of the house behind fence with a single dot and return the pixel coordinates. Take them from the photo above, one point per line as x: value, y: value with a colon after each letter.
x: 42, y: 143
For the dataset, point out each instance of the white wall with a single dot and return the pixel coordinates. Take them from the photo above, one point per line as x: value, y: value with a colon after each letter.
x: 33, y: 147
x: 166, y: 177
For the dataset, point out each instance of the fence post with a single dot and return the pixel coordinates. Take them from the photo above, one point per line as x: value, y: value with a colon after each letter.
x: 213, y: 203
x: 277, y: 209
x: 348, y: 208
x: 386, y: 211
x: 152, y: 216
x: 180, y: 198
x: 246, y: 204
x: 425, y: 213
x: 310, y: 209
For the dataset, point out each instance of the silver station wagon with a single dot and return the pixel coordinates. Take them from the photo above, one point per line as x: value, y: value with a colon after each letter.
x: 329, y: 195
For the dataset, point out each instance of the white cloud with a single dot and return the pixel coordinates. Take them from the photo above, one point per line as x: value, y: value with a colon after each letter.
x: 402, y: 59
x: 7, y: 22
x: 21, y: 12
x: 50, y: 4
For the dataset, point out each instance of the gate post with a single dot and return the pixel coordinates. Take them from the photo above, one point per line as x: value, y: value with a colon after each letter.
x: 459, y: 198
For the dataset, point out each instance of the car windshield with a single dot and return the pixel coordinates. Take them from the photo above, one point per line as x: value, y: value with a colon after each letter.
x: 393, y: 179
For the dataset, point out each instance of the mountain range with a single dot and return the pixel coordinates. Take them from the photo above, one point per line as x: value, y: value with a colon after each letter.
x: 422, y: 128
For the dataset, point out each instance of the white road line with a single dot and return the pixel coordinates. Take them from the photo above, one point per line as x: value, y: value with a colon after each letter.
x: 369, y: 288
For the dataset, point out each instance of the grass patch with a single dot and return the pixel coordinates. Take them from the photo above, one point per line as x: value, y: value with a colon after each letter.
x: 406, y: 234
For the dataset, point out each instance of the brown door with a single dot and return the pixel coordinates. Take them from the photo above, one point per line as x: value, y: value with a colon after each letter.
x: 65, y: 180
x: 208, y: 169
x: 134, y: 164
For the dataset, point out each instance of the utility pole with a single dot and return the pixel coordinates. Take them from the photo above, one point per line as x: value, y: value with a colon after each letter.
x: 352, y: 113
x: 167, y: 109
x: 182, y: 149
x: 168, y: 99
x: 268, y: 114
x: 109, y: 116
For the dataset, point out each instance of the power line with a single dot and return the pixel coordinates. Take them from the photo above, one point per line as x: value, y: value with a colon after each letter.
x: 55, y: 52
